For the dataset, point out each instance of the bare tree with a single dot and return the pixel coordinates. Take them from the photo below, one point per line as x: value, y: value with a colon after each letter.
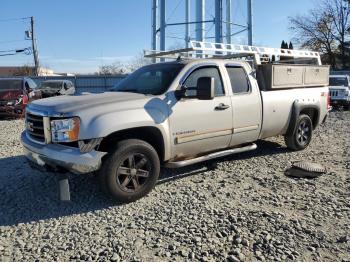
x: 117, y: 68
x: 315, y: 31
x: 339, y: 11
x: 325, y: 29
x: 24, y: 70
x: 138, y: 61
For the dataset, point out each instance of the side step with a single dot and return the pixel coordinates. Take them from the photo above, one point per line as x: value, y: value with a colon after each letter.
x: 210, y: 156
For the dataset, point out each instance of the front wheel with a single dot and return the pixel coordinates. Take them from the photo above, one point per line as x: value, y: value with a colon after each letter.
x: 130, y: 171
x: 302, y: 134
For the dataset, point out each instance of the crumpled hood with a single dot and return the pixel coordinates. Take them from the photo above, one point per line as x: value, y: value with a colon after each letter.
x: 49, y: 90
x: 91, y: 104
x: 9, y: 95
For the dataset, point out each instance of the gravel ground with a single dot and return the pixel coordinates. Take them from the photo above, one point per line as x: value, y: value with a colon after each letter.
x: 240, y: 208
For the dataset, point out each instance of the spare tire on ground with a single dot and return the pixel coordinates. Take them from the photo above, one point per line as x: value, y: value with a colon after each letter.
x: 305, y: 169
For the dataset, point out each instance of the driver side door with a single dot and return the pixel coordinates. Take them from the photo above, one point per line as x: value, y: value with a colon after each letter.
x: 199, y: 126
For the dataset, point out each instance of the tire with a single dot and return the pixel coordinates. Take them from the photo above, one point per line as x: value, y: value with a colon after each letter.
x: 302, y: 135
x: 130, y: 171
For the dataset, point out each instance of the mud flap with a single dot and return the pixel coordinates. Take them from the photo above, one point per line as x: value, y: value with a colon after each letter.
x: 63, y: 187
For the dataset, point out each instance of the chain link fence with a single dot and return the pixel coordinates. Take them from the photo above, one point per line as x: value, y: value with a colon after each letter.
x: 93, y: 84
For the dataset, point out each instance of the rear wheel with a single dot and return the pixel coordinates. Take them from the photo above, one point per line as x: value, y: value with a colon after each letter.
x: 130, y: 171
x: 302, y: 134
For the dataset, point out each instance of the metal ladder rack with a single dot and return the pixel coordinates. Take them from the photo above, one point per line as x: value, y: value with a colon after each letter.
x: 230, y: 51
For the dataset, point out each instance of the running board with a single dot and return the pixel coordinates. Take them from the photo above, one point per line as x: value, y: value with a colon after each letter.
x: 210, y: 156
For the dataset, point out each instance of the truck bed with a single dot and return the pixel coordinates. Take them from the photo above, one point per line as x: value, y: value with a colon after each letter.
x: 278, y: 104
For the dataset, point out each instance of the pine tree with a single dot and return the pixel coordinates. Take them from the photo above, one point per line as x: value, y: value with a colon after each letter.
x: 290, y: 45
x: 283, y: 44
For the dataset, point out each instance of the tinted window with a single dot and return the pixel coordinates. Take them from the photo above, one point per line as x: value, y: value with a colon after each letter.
x: 238, y: 78
x: 31, y: 83
x: 338, y: 81
x: 51, y: 85
x: 153, y: 79
x: 10, y: 84
x: 191, y: 81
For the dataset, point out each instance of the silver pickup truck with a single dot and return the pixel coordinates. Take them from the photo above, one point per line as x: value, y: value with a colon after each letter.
x: 172, y: 114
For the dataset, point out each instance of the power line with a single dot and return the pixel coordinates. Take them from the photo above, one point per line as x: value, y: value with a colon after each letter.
x: 8, y: 54
x: 7, y: 51
x: 26, y: 51
x: 12, y: 41
x: 14, y: 19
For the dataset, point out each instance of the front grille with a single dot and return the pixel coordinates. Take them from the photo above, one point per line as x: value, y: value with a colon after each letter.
x: 3, y: 102
x: 35, y: 127
x: 334, y: 93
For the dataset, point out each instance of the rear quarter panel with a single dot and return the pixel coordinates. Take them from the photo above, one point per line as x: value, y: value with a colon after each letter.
x: 277, y: 107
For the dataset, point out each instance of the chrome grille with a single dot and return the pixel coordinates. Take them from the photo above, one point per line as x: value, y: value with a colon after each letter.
x: 3, y: 102
x: 334, y: 93
x: 35, y: 127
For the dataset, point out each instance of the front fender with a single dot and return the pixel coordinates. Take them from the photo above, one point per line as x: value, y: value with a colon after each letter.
x: 109, y: 122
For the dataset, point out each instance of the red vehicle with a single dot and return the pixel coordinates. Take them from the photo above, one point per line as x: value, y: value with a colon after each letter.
x: 15, y: 94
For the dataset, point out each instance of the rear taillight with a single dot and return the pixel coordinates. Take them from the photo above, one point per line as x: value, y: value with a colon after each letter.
x: 328, y: 99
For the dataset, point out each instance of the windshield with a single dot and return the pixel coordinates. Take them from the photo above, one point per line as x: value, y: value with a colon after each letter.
x: 338, y: 81
x: 150, y: 80
x: 51, y: 85
x: 10, y: 84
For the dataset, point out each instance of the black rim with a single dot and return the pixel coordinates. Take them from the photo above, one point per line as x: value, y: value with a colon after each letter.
x: 133, y: 172
x: 304, y: 132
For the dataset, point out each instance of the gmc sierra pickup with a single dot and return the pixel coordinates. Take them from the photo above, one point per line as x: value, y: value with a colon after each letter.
x: 173, y: 114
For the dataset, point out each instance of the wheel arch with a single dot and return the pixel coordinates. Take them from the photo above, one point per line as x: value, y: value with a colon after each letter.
x: 149, y: 134
x: 312, y: 110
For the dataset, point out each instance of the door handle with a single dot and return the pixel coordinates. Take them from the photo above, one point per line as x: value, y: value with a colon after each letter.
x: 222, y: 107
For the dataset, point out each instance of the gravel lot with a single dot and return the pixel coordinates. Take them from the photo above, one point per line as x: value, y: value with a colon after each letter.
x: 241, y: 208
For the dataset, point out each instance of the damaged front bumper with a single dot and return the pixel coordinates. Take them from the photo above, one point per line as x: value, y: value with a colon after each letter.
x: 58, y: 157
x: 11, y: 111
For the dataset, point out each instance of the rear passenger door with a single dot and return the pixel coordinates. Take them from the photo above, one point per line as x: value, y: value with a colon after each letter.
x: 246, y: 105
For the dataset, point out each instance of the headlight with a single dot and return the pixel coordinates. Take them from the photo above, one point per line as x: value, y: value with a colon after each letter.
x: 65, y: 130
x: 11, y: 103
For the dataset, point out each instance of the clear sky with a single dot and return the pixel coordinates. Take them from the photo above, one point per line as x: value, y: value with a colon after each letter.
x: 81, y: 35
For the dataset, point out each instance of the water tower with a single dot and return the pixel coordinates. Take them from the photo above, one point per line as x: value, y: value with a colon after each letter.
x: 159, y: 24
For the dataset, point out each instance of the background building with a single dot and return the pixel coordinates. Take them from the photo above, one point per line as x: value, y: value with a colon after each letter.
x: 25, y: 71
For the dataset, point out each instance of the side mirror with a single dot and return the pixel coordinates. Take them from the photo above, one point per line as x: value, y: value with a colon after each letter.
x: 180, y: 93
x: 205, y: 88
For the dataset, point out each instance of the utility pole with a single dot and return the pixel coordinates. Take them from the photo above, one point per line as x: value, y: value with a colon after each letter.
x: 35, y: 51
